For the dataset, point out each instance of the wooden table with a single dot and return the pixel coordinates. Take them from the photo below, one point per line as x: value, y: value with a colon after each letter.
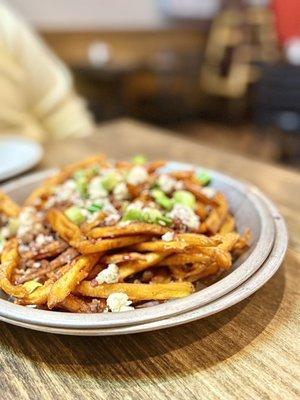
x: 250, y: 351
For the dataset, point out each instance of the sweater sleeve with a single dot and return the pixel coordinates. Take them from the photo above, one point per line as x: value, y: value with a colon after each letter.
x: 47, y: 86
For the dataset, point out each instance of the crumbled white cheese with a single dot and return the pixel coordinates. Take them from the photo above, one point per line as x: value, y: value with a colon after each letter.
x: 36, y: 264
x: 186, y: 215
x: 96, y: 190
x: 50, y: 202
x: 108, y: 275
x: 113, y: 215
x: 42, y: 239
x: 69, y: 184
x: 4, y: 232
x: 124, y: 223
x: 118, y: 302
x: 27, y: 215
x: 37, y: 202
x: 209, y: 192
x: 84, y: 212
x: 120, y: 192
x: 23, y: 248
x: 2, y: 242
x: 168, y: 236
x: 179, y: 185
x: 137, y: 175
x: 29, y: 221
x: 166, y: 183
x: 108, y: 208
x: 112, y: 219
x: 136, y: 205
x: 66, y: 191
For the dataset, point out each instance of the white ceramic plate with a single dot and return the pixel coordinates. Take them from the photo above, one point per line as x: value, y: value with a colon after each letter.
x: 17, y: 154
x: 256, y: 281
x: 250, y: 210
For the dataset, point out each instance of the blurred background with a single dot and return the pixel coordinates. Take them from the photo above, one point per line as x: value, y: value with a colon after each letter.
x: 226, y: 73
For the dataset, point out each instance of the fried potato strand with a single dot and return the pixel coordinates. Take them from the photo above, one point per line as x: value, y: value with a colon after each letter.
x: 68, y: 281
x: 202, y: 272
x: 161, y: 246
x: 200, y: 196
x: 218, y: 215
x: 199, y: 240
x: 63, y: 226
x: 185, y: 258
x: 228, y: 225
x: 154, y: 165
x: 74, y: 304
x: 137, y: 291
x: 118, y: 258
x: 67, y: 171
x: 243, y: 241
x: 168, y: 267
x: 188, y: 273
x: 131, y: 229
x: 39, y: 296
x: 132, y: 267
x: 77, y: 304
x: 41, y: 193
x: 8, y: 206
x: 101, y: 245
x: 9, y: 262
x: 86, y: 227
x: 183, y: 242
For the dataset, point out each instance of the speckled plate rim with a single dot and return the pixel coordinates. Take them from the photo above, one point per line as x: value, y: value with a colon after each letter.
x: 165, y: 310
x: 254, y: 283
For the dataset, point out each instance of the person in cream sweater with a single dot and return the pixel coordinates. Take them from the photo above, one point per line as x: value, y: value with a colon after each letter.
x: 37, y: 97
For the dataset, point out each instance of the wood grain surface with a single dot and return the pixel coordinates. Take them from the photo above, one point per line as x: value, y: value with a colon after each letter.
x: 250, y: 351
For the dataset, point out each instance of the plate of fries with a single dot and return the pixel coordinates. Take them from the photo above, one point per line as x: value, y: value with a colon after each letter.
x: 256, y: 281
x: 104, y: 245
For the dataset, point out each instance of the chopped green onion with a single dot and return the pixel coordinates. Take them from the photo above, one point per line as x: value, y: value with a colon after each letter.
x: 164, y: 220
x: 110, y: 181
x: 94, y: 207
x: 84, y: 175
x: 133, y: 214
x: 80, y: 175
x: 151, y: 216
x: 162, y: 199
x: 81, y: 181
x: 139, y: 160
x: 95, y: 170
x: 184, y: 197
x: 13, y: 226
x: 82, y: 188
x: 31, y: 286
x: 204, y: 178
x: 75, y: 215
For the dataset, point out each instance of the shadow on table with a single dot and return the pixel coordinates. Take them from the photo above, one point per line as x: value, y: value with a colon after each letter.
x: 174, y: 351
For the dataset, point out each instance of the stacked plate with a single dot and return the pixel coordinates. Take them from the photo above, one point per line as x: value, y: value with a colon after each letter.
x: 17, y: 154
x: 250, y: 208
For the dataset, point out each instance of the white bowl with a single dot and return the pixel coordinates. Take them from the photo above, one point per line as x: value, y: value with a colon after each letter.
x: 256, y: 281
x: 250, y: 210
